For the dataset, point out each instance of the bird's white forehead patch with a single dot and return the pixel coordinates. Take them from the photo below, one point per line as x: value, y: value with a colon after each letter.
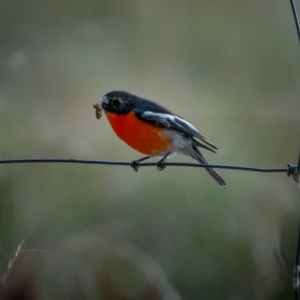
x: 105, y: 99
x: 170, y: 117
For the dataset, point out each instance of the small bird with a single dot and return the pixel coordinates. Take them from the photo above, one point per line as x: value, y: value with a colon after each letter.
x: 154, y: 130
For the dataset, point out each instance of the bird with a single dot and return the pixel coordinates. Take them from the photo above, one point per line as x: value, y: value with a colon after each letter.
x: 154, y: 130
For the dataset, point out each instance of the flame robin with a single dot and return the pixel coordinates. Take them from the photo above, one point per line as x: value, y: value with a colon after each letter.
x: 154, y: 130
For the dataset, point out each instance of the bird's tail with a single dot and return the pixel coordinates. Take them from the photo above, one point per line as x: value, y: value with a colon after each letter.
x: 197, y: 155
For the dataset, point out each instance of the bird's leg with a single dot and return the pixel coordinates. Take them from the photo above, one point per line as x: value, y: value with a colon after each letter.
x: 135, y: 163
x: 161, y: 163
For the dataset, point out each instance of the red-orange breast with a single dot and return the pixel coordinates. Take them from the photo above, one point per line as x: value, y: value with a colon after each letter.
x: 141, y: 136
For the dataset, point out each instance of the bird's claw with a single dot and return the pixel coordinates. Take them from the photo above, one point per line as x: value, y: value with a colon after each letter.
x: 135, y: 165
x: 161, y: 165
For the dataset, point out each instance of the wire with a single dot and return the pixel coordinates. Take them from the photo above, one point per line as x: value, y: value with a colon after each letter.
x: 296, y: 278
x: 295, y: 17
x: 123, y: 163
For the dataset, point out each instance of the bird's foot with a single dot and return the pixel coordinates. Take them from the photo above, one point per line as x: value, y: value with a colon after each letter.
x: 135, y: 165
x: 161, y: 165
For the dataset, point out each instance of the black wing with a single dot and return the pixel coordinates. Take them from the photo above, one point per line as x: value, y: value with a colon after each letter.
x: 176, y: 123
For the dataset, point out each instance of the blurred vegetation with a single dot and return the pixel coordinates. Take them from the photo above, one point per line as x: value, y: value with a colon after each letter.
x: 230, y: 67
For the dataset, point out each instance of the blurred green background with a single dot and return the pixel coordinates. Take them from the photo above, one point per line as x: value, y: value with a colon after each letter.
x: 229, y: 67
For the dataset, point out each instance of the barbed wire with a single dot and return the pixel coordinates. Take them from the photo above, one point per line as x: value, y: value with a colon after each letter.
x: 289, y: 170
x: 296, y: 278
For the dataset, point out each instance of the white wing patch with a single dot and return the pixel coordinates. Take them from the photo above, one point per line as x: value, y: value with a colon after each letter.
x: 163, y: 118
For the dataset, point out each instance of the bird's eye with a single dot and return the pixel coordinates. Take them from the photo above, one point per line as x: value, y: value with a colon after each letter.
x: 116, y: 102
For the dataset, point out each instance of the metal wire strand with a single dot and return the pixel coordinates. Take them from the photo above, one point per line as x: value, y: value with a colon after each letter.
x: 290, y: 169
x: 295, y: 17
x: 296, y: 278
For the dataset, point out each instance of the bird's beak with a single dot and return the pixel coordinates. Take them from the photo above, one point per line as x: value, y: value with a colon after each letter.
x: 103, y: 102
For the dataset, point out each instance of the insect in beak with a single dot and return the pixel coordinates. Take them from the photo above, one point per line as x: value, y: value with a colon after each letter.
x: 98, y: 108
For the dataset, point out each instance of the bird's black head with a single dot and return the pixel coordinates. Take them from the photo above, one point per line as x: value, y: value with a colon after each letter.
x: 122, y: 103
x: 117, y: 102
